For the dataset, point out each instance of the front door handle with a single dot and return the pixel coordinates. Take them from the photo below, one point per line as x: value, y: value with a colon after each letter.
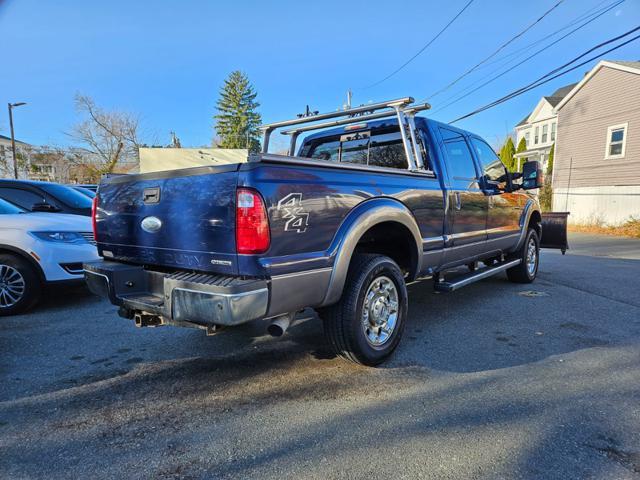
x: 458, y: 201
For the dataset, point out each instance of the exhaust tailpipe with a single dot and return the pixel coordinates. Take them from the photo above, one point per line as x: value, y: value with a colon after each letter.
x: 142, y: 319
x: 279, y: 325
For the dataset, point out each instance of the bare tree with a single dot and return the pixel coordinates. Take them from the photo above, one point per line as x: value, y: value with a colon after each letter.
x: 109, y: 138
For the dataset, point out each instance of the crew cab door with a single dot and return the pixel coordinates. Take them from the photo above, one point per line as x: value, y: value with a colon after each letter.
x: 504, y: 208
x: 467, y: 202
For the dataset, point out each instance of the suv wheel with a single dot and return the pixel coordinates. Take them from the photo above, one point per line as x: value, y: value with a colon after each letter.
x: 365, y: 326
x: 20, y: 286
x: 529, y: 253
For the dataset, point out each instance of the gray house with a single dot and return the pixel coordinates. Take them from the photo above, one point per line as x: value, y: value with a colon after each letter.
x: 596, y: 174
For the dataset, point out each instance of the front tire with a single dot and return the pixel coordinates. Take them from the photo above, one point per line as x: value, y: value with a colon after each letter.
x: 366, y: 325
x: 20, y: 286
x: 529, y: 254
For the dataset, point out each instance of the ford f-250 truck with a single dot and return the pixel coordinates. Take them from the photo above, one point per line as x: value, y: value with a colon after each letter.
x: 383, y: 199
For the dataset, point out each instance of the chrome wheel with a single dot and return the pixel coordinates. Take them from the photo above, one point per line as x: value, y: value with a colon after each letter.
x: 12, y: 286
x: 380, y: 311
x: 532, y: 257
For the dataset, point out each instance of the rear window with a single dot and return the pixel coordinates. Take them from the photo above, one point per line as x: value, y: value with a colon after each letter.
x: 68, y: 195
x: 380, y: 149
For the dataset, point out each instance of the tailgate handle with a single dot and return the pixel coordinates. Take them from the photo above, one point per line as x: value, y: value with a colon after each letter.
x: 151, y: 195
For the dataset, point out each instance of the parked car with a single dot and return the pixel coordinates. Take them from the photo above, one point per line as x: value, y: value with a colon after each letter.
x: 363, y: 210
x: 85, y: 191
x: 45, y: 197
x: 37, y: 250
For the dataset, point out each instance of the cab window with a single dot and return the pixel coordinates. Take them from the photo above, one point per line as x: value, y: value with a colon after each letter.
x: 494, y: 172
x: 462, y: 171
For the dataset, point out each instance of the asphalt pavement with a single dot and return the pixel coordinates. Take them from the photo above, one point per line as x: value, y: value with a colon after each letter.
x: 496, y: 380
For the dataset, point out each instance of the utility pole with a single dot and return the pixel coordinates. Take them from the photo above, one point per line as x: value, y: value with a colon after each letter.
x: 13, y: 139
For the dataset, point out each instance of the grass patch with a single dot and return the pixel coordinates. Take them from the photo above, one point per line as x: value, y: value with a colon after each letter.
x: 631, y: 228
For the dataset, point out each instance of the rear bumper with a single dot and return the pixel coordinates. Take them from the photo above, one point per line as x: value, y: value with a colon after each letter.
x: 181, y: 297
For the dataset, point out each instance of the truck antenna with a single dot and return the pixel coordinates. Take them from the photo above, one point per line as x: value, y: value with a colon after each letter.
x: 347, y: 106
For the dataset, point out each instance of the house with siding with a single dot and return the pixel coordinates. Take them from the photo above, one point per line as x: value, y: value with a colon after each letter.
x: 596, y: 173
x: 539, y: 128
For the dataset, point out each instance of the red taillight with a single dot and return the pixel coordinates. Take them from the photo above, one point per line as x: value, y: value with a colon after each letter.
x: 94, y: 210
x: 252, y: 224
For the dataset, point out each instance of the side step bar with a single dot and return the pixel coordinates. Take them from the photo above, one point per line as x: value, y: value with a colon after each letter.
x: 471, y: 277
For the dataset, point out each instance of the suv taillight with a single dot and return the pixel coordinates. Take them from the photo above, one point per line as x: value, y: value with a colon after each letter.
x: 94, y: 211
x: 252, y: 224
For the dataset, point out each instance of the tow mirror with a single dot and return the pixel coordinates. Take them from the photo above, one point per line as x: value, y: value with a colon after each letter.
x: 44, y: 207
x: 532, y: 175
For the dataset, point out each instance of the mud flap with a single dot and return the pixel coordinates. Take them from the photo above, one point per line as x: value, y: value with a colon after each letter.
x: 554, y: 231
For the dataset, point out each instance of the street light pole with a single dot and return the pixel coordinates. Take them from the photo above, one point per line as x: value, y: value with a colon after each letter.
x: 13, y: 139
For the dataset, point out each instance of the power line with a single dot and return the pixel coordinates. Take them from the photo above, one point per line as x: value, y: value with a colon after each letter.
x: 576, y: 20
x: 591, y: 11
x: 510, y: 69
x: 511, y: 40
x: 538, y: 82
x: 421, y: 50
x: 550, y: 76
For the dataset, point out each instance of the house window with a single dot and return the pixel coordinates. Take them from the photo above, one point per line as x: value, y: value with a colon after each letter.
x: 545, y: 131
x: 536, y: 136
x: 616, y: 141
x: 553, y: 132
x: 527, y: 138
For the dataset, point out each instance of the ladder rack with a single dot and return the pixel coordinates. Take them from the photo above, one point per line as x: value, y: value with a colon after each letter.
x: 400, y: 108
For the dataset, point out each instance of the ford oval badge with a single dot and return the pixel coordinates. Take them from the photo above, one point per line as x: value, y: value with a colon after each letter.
x: 151, y: 224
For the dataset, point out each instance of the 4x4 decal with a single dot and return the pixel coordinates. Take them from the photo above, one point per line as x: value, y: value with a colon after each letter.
x: 293, y: 212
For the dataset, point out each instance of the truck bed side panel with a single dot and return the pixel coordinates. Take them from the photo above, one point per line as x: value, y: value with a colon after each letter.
x: 306, y: 205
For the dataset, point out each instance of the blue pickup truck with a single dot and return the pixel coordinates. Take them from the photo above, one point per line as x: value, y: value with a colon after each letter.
x: 379, y: 198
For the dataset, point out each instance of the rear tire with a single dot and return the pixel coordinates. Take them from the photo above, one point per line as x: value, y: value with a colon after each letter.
x: 366, y: 325
x: 529, y: 254
x: 20, y: 285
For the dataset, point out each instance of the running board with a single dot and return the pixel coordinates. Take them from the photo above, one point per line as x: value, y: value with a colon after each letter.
x: 471, y: 277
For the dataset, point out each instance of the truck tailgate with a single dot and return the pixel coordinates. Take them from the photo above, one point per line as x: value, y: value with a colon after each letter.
x: 182, y: 218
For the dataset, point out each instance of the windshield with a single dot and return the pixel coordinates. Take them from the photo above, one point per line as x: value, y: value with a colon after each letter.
x: 67, y: 195
x: 7, y: 208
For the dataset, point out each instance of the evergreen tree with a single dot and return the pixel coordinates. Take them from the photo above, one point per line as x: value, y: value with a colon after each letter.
x: 522, y: 147
x: 506, y: 154
x: 237, y: 120
x: 546, y: 192
x: 550, y: 161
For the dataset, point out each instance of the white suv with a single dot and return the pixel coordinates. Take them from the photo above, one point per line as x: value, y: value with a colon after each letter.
x: 37, y: 249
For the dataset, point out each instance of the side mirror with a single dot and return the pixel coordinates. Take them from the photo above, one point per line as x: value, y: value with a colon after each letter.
x: 532, y: 175
x: 44, y: 207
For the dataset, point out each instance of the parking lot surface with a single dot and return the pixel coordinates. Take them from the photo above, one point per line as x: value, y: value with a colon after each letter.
x: 497, y: 380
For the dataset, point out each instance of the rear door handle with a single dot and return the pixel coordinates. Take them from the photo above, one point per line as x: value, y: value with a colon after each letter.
x: 458, y: 201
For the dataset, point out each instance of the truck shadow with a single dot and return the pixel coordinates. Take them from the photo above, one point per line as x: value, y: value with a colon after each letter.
x: 490, y: 325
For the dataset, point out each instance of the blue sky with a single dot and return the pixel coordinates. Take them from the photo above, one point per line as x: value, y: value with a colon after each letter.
x: 165, y: 60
